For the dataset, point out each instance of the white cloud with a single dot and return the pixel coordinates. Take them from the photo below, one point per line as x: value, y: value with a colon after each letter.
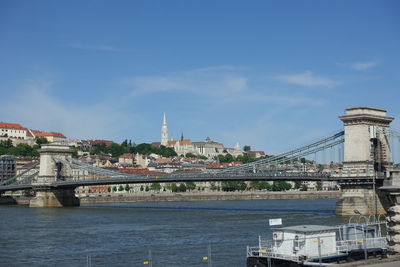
x: 35, y: 108
x: 224, y: 83
x: 98, y: 47
x: 307, y: 79
x: 214, y: 81
x: 361, y: 66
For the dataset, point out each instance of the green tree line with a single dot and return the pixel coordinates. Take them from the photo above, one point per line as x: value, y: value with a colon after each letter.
x: 22, y: 150
x: 117, y: 150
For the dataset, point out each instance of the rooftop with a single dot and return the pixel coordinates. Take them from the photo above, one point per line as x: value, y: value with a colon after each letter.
x: 6, y: 125
x: 306, y: 228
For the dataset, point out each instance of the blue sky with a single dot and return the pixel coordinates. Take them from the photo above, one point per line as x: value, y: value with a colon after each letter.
x: 270, y: 74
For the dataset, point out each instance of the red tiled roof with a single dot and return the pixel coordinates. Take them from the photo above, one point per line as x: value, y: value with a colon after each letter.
x: 107, y: 142
x: 35, y: 132
x: 127, y: 156
x: 257, y: 152
x: 16, y: 126
x: 43, y: 134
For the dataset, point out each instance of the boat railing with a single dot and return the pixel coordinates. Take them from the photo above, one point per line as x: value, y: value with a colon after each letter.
x: 267, y: 248
x: 359, y: 244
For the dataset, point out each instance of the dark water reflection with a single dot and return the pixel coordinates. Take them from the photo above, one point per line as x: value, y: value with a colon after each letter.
x: 177, y: 233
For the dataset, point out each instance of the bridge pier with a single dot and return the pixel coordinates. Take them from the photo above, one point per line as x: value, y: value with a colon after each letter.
x: 54, y: 198
x: 366, y: 160
x: 391, y: 189
x: 361, y: 200
x: 46, y: 194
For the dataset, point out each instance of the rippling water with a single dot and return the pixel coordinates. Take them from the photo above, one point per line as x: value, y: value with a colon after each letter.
x: 177, y: 233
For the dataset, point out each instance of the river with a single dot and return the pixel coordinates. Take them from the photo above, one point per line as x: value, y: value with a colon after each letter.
x: 176, y: 233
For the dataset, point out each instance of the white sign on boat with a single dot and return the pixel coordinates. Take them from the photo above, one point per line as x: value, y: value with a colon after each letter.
x: 275, y: 222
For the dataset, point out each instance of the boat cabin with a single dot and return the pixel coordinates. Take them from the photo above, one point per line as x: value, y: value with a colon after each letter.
x: 302, y: 240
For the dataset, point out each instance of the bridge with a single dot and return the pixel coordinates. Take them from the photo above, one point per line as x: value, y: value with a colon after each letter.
x: 58, y: 170
x: 369, y: 179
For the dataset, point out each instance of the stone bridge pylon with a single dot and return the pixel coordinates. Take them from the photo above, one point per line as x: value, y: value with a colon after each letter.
x: 49, y: 172
x: 366, y: 163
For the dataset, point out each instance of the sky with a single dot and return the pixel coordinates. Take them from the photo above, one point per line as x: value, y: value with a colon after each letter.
x: 269, y: 74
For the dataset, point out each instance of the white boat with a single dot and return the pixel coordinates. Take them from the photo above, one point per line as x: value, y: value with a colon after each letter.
x: 319, y: 245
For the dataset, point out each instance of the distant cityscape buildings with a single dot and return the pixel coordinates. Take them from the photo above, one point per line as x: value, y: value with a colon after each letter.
x: 7, y: 167
x: 207, y: 148
x: 192, y: 156
x: 19, y: 134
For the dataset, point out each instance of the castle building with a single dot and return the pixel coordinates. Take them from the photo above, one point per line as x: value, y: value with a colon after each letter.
x: 14, y: 130
x: 207, y: 148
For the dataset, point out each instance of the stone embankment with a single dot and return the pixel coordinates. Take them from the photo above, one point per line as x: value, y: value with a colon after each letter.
x: 209, y: 196
x: 13, y: 200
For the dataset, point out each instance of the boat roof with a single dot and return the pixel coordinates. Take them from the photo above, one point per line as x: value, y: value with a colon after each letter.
x: 306, y: 228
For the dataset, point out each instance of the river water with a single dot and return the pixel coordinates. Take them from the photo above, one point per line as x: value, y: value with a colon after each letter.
x: 176, y: 233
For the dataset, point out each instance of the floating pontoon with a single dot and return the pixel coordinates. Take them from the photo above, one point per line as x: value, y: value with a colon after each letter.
x: 319, y: 245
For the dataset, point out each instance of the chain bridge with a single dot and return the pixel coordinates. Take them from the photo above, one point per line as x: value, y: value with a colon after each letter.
x: 58, y: 170
x: 365, y: 148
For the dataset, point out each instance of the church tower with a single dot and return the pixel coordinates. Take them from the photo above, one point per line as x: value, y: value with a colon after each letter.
x: 164, y: 132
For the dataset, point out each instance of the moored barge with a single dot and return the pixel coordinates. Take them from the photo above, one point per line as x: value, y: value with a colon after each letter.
x: 318, y: 245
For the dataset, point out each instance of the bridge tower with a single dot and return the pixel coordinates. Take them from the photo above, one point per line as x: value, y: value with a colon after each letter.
x: 49, y: 172
x: 367, y: 159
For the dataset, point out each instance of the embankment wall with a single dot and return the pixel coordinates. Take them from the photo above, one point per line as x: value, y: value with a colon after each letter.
x: 165, y: 197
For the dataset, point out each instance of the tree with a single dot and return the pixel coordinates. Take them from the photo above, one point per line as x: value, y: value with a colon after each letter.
x: 297, y: 184
x: 213, y: 187
x: 114, y: 188
x: 254, y: 185
x: 233, y: 186
x: 260, y: 185
x: 120, y: 188
x: 116, y: 150
x: 225, y: 158
x: 247, y: 148
x: 155, y: 186
x: 109, y: 189
x: 246, y: 158
x: 182, y: 187
x: 319, y: 185
x: 320, y: 167
x: 241, y: 185
x: 147, y: 189
x: 173, y: 187
x: 228, y: 186
x: 190, y: 186
x: 6, y: 143
x: 125, y: 143
x: 41, y: 140
x: 281, y: 186
x: 141, y: 188
x: 265, y: 185
x: 304, y: 187
x: 127, y: 187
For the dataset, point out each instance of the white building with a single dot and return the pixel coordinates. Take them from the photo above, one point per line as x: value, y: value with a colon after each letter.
x: 164, y: 132
x: 14, y: 130
x: 207, y: 148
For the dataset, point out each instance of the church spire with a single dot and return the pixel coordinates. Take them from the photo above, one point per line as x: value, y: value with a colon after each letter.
x: 164, y: 132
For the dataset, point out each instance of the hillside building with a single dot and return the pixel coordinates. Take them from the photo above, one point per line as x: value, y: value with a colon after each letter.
x: 207, y: 148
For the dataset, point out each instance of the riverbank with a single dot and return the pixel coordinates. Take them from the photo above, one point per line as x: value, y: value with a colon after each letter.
x: 209, y: 196
x: 188, y: 196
